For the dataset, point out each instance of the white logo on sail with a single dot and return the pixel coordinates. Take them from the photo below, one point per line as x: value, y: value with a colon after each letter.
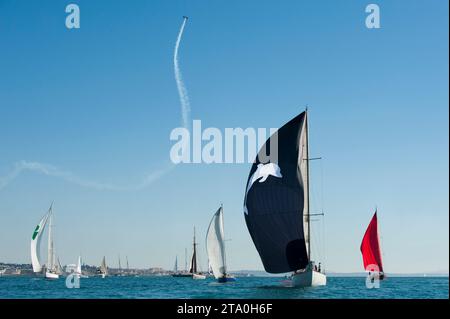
x: 263, y: 171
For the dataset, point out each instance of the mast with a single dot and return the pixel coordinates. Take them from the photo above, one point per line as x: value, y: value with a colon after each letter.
x: 224, y: 250
x: 60, y: 268
x: 50, y: 253
x: 194, y: 256
x: 120, y: 267
x: 185, y: 259
x: 128, y: 267
x: 308, y: 243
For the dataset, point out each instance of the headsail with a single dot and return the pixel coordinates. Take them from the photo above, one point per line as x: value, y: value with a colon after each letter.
x: 35, y: 243
x: 370, y: 246
x: 78, y: 270
x: 215, y: 245
x: 103, y: 267
x: 276, y: 197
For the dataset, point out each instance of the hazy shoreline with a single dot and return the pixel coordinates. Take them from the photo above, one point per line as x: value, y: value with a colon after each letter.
x: 12, y: 269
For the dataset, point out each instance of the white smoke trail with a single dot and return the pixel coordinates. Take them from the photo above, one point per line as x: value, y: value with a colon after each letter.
x: 50, y: 170
x: 182, y: 91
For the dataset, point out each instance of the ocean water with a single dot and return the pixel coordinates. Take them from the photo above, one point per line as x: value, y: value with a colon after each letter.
x: 247, y: 287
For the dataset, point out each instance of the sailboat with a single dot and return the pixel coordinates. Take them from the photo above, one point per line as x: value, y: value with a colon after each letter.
x: 177, y: 273
x: 175, y: 267
x: 193, y: 266
x: 78, y: 271
x: 128, y: 267
x: 371, y: 250
x: 103, y: 268
x: 52, y: 268
x: 215, y: 247
x: 276, y: 205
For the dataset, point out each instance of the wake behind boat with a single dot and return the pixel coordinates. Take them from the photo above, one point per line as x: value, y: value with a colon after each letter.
x: 215, y: 247
x: 276, y: 205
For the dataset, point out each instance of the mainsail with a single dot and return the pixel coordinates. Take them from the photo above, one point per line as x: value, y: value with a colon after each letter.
x: 215, y: 245
x: 35, y: 242
x: 276, y: 201
x: 78, y: 269
x: 103, y: 267
x: 370, y: 246
x: 193, y: 265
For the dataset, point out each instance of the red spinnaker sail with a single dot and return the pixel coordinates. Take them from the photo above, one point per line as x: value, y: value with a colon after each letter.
x: 370, y: 246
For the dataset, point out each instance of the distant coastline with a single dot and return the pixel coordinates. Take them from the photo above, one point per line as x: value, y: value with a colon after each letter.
x: 15, y: 269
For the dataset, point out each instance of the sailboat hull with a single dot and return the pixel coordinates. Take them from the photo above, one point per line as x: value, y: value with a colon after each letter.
x: 50, y: 275
x: 198, y: 276
x: 308, y: 278
x: 185, y: 275
x: 226, y: 279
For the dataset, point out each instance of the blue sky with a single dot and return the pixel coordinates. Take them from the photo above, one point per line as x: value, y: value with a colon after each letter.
x: 100, y: 102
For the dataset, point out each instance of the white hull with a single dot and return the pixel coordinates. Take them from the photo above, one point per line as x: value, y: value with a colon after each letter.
x: 308, y: 278
x: 198, y: 276
x: 51, y: 275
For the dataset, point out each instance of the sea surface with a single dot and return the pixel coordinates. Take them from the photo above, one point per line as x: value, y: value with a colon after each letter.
x: 245, y: 287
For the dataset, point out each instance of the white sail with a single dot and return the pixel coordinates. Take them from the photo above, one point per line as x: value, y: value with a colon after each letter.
x: 35, y: 243
x: 303, y: 163
x: 215, y: 245
x: 103, y: 267
x: 78, y: 270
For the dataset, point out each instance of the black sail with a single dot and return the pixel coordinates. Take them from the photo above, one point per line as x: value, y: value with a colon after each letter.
x: 275, y: 200
x: 193, y: 269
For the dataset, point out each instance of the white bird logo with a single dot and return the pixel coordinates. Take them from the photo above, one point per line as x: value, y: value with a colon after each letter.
x: 263, y: 171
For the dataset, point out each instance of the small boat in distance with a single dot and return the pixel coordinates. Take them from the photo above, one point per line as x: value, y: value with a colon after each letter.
x: 276, y: 205
x: 177, y: 273
x: 78, y: 272
x: 103, y: 268
x: 215, y: 247
x: 371, y: 250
